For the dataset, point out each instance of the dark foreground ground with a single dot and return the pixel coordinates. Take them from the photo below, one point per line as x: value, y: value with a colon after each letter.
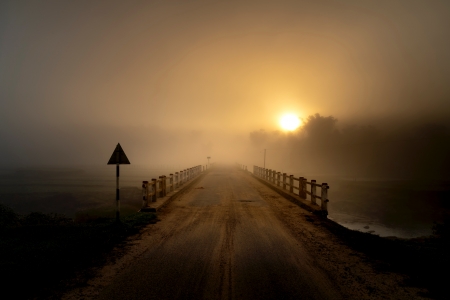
x: 228, y: 236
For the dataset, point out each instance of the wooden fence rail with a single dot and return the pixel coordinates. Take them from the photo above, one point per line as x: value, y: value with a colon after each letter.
x: 297, y: 186
x: 158, y: 188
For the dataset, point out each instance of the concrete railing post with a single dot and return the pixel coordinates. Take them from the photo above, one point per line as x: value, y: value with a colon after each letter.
x: 313, y: 191
x: 324, y: 196
x: 171, y: 182
x: 160, y: 187
x: 284, y: 181
x: 291, y: 183
x: 165, y: 185
x: 303, y: 183
x: 154, y: 189
x: 274, y: 178
x: 144, y: 193
x: 278, y: 178
x: 300, y: 186
x: 176, y: 180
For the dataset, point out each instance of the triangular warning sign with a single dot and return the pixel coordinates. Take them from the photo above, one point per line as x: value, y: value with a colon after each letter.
x: 118, y: 157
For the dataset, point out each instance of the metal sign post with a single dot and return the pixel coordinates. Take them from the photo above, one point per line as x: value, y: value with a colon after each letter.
x: 117, y: 158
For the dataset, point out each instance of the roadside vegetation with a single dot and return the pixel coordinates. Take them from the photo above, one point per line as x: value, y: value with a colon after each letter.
x: 425, y: 260
x: 40, y: 253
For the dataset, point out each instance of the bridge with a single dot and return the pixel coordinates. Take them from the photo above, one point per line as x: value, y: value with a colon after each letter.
x: 227, y: 233
x: 292, y: 188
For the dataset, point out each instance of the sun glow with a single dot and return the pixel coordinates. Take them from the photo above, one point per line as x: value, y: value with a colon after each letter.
x: 289, y: 122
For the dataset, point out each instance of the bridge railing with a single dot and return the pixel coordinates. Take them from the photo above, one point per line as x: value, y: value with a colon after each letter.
x: 297, y: 186
x: 158, y: 188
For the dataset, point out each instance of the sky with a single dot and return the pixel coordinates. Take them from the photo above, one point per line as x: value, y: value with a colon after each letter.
x: 182, y: 80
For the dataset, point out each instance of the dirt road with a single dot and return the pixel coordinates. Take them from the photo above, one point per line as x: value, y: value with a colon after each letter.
x: 230, y: 237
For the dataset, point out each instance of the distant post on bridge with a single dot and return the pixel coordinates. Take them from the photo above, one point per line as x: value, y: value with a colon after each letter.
x: 118, y: 158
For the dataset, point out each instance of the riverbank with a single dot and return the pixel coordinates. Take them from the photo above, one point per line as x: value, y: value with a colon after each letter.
x: 422, y: 260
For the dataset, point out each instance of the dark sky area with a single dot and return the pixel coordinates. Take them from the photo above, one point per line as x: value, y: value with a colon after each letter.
x: 181, y: 80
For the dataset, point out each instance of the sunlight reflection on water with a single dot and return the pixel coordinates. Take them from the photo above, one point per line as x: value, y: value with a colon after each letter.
x: 366, y: 225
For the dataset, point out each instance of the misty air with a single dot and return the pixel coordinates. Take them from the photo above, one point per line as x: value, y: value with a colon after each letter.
x: 224, y: 150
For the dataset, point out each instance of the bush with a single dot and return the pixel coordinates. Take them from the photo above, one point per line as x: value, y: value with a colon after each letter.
x: 8, y: 218
x: 442, y: 230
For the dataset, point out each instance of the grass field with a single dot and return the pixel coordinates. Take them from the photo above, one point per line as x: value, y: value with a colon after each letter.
x: 39, y: 252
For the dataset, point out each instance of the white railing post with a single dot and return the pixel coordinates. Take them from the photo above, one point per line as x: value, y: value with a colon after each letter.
x: 154, y: 189
x: 171, y: 182
x: 324, y: 196
x: 291, y: 183
x: 284, y: 181
x: 313, y: 191
x: 144, y: 193
x: 303, y: 184
x: 278, y: 178
x: 160, y: 189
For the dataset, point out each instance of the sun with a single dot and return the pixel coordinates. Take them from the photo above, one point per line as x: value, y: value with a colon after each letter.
x: 289, y: 122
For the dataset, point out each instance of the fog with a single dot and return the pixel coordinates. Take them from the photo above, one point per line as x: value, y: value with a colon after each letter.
x: 402, y: 150
x: 175, y: 82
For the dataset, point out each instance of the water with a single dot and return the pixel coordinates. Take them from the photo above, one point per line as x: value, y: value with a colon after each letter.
x: 71, y: 189
x: 386, y: 207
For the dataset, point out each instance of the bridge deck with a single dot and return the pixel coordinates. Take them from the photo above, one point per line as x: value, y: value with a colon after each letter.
x: 222, y: 239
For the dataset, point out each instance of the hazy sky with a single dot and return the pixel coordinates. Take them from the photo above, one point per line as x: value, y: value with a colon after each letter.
x: 76, y: 75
